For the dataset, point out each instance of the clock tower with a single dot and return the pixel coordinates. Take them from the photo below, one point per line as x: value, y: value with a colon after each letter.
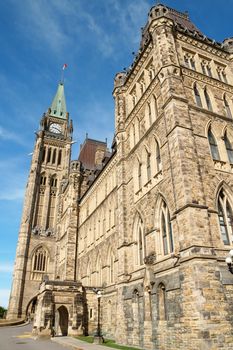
x: 35, y: 255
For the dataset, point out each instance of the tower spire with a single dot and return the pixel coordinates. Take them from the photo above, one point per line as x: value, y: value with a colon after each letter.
x: 58, y: 106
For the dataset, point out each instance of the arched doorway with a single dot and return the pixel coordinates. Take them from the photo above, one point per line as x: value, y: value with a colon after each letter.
x: 31, y: 307
x: 61, y: 320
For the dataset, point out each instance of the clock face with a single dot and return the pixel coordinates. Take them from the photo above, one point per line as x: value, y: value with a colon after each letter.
x: 56, y: 128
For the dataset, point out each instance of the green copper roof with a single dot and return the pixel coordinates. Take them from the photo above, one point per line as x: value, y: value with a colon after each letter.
x: 58, y: 107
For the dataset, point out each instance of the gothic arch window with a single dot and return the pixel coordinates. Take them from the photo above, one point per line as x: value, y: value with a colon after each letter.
x: 148, y: 165
x: 59, y: 157
x: 52, y: 203
x: 139, y: 175
x: 111, y: 262
x: 207, y: 99
x: 88, y: 276
x: 227, y: 107
x: 197, y: 96
x: 39, y: 263
x: 213, y: 145
x: 161, y: 302
x: 49, y: 155
x: 149, y: 114
x: 43, y: 154
x: 54, y: 156
x: 158, y: 157
x: 166, y: 229
x: 155, y: 107
x: 229, y: 148
x: 99, y: 272
x: 140, y: 241
x: 225, y: 217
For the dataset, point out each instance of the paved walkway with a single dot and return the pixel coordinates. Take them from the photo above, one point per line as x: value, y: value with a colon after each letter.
x: 78, y: 344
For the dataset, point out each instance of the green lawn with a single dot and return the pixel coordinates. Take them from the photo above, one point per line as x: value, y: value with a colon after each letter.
x: 107, y: 342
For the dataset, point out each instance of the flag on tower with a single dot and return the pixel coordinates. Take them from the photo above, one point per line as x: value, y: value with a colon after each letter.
x: 64, y: 66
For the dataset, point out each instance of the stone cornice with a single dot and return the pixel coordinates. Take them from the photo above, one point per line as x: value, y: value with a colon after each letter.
x: 206, y: 79
x: 210, y: 47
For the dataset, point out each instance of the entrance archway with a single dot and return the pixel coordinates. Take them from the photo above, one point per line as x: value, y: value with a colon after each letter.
x: 62, y: 318
x: 31, y: 307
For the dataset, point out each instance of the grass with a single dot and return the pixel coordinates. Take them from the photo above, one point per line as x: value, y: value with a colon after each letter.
x: 107, y: 342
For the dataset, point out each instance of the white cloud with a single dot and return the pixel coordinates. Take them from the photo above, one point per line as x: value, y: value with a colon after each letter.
x: 4, y: 297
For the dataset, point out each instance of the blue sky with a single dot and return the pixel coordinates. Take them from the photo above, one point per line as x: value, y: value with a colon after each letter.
x: 96, y: 39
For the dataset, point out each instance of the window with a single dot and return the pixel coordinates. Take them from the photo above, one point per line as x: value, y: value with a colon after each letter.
x: 229, y: 148
x: 49, y: 155
x: 139, y: 175
x: 161, y: 302
x: 225, y: 218
x: 197, y: 96
x: 54, y: 156
x: 149, y: 114
x: 227, y: 107
x: 99, y: 272
x: 148, y: 166
x: 155, y: 107
x: 111, y: 268
x: 189, y: 61
x: 140, y: 239
x: 43, y: 154
x: 158, y: 158
x: 213, y: 146
x: 209, y: 71
x: 203, y: 67
x: 207, y: 99
x: 221, y: 74
x: 59, y: 157
x: 39, y: 263
x: 166, y: 229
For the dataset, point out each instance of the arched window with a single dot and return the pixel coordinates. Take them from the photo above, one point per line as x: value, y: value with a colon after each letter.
x: 229, y: 148
x: 213, y: 145
x: 43, y: 154
x: 59, y: 157
x: 155, y: 107
x: 140, y: 239
x: 158, y: 157
x: 52, y: 203
x: 111, y: 260
x: 227, y: 107
x: 166, y: 229
x: 197, y: 96
x: 39, y: 263
x: 225, y: 218
x: 139, y: 175
x: 207, y: 99
x: 99, y: 272
x: 148, y: 166
x: 161, y: 302
x: 49, y: 155
x: 88, y: 276
x: 54, y: 156
x: 149, y: 114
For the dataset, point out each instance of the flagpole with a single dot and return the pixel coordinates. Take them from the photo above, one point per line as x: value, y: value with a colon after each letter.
x: 62, y: 73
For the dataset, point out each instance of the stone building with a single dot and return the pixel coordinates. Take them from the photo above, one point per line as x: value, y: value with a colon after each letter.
x: 148, y: 224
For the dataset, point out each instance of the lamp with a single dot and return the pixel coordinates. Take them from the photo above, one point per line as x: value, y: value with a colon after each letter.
x: 229, y: 261
x: 98, y: 338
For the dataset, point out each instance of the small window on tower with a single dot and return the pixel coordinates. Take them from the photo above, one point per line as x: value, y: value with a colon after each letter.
x: 54, y: 111
x: 61, y: 114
